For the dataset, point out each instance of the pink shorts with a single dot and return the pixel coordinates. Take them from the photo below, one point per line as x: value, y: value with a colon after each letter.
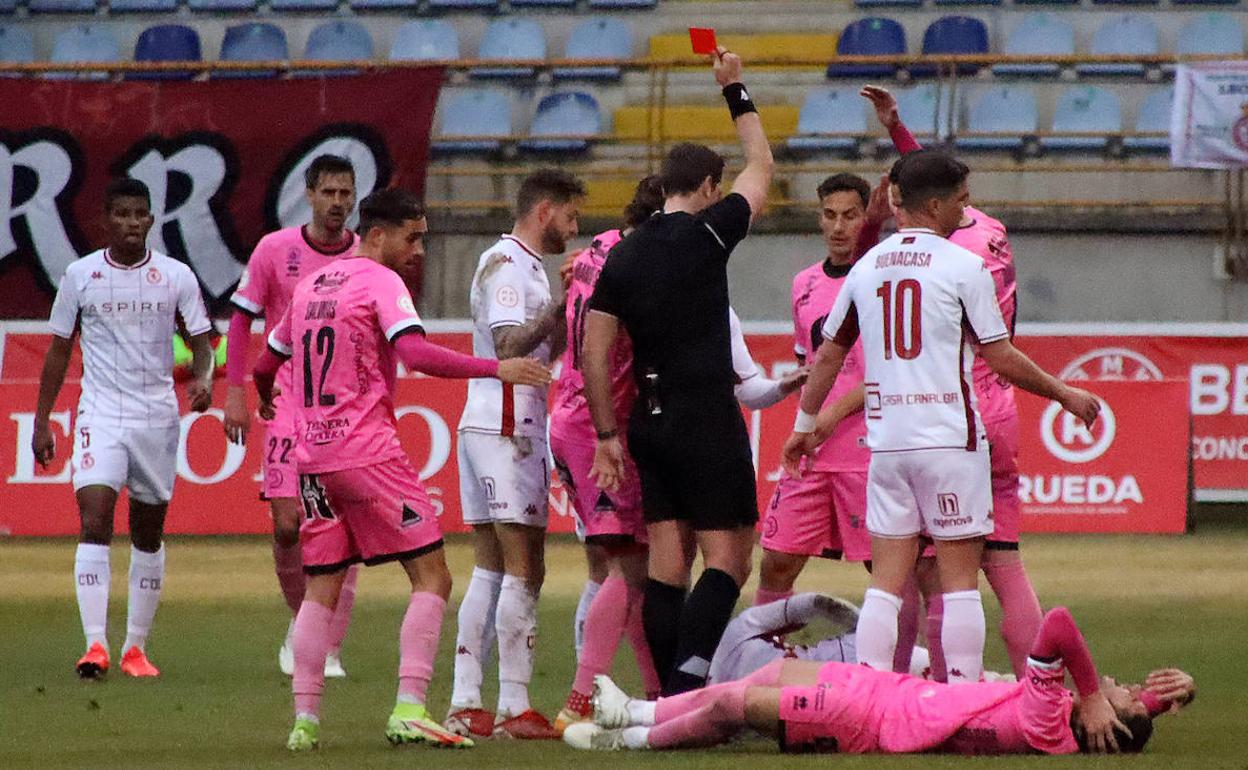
x: 821, y: 514
x: 277, y: 460
x: 602, y: 513
x: 1003, y: 451
x: 374, y: 514
x: 806, y: 727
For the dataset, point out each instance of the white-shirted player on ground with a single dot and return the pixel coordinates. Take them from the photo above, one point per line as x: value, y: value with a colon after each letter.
x: 279, y: 261
x: 503, y: 472
x: 125, y: 302
x: 919, y: 302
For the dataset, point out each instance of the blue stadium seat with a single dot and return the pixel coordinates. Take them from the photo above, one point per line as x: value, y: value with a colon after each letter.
x: 463, y: 5
x: 426, y: 40
x: 1204, y: 2
x: 166, y: 42
x: 377, y: 5
x: 1002, y: 118
x: 1046, y: 2
x: 1084, y: 110
x: 543, y: 3
x: 339, y: 41
x: 1038, y: 34
x: 17, y: 44
x: 510, y: 38
x: 1129, y: 35
x: 142, y: 6
x: 601, y: 37
x: 253, y: 41
x: 925, y: 110
x: 832, y: 119
x: 968, y: 2
x: 1211, y: 33
x: 1125, y: 2
x: 564, y: 122
x: 303, y: 5
x: 84, y: 43
x: 953, y: 35
x: 61, y: 6
x: 871, y: 36
x: 889, y: 3
x: 8, y: 6
x: 1152, y: 124
x: 623, y: 4
x: 222, y: 6
x: 473, y: 122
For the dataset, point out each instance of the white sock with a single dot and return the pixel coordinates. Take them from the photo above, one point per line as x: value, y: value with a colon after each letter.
x: 516, y: 623
x: 641, y: 712
x: 962, y: 636
x: 475, y: 636
x: 582, y: 609
x: 636, y: 737
x: 91, y: 577
x: 876, y: 637
x: 147, y: 576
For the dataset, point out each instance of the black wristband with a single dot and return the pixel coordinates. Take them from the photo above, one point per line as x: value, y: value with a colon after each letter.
x: 604, y: 435
x: 739, y: 102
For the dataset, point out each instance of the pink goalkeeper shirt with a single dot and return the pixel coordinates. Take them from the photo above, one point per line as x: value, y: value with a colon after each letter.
x: 338, y: 333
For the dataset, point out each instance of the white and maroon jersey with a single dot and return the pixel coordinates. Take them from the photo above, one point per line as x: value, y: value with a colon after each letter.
x: 509, y: 288
x: 918, y: 302
x: 279, y: 261
x: 569, y: 416
x: 127, y: 317
x: 986, y: 237
x: 814, y: 291
x: 338, y: 333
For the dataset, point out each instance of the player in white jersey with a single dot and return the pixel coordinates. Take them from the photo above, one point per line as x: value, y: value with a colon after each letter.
x: 125, y: 302
x: 919, y: 302
x: 503, y: 472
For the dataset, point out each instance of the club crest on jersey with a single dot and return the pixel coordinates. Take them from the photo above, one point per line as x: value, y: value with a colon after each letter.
x: 507, y: 296
x: 328, y: 283
x: 292, y: 262
x: 153, y: 275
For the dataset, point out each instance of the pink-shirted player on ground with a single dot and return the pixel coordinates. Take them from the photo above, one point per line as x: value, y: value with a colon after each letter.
x: 280, y: 260
x: 346, y: 325
x: 1002, y: 562
x: 840, y: 707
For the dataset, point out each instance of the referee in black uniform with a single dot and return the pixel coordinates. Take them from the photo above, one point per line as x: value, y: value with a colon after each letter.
x: 667, y: 285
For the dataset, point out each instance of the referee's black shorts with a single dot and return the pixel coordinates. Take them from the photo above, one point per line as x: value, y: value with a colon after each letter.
x: 695, y: 466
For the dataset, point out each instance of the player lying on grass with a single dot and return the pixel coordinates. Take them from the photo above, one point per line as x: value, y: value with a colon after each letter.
x: 810, y: 706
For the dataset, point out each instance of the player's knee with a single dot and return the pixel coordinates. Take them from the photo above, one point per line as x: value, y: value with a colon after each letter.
x: 96, y: 528
x: 285, y: 534
x: 778, y: 571
x: 147, y: 542
x: 762, y: 709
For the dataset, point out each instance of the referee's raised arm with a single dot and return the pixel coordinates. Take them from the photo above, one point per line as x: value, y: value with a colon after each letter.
x: 754, y: 180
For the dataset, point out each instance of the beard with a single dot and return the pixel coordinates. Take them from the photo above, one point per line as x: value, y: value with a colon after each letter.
x: 553, y: 241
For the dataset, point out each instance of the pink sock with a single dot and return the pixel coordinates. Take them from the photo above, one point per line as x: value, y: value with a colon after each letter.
x: 935, y: 620
x: 342, y: 613
x: 699, y: 718
x: 907, y: 627
x: 604, y: 626
x: 288, y: 564
x: 310, y: 644
x: 765, y: 596
x: 1020, y: 609
x: 418, y: 644
x: 636, y: 631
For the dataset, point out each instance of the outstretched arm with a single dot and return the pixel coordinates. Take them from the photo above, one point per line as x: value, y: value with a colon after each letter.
x: 1006, y: 360
x: 419, y: 354
x: 885, y: 105
x: 754, y: 180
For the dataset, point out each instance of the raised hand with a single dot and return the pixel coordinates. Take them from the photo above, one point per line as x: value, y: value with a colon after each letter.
x: 727, y: 67
x: 885, y: 105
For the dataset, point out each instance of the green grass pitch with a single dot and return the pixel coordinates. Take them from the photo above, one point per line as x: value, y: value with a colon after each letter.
x: 221, y: 702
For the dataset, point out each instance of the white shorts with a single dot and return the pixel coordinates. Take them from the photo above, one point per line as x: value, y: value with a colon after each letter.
x: 503, y: 479
x: 144, y: 460
x: 945, y: 494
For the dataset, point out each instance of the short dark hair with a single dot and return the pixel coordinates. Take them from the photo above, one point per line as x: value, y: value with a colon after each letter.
x: 388, y: 208
x: 1140, y: 725
x: 125, y: 187
x: 687, y: 165
x: 845, y: 183
x: 547, y: 184
x: 647, y: 199
x: 327, y: 164
x: 928, y: 174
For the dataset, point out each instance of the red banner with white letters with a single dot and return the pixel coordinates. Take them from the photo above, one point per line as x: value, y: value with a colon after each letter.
x: 224, y: 160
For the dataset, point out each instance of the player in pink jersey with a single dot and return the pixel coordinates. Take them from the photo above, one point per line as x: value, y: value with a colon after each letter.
x: 839, y: 707
x: 362, y: 500
x: 1002, y: 562
x: 280, y: 260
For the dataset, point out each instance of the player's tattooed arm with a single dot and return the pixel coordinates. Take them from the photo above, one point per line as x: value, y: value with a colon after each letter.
x: 522, y: 339
x: 1009, y: 362
x: 50, y: 380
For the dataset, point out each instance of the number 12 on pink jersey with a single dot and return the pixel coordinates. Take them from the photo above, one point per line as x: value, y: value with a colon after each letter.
x: 908, y: 296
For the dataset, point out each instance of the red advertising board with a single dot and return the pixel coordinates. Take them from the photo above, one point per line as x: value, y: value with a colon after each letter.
x: 1128, y: 472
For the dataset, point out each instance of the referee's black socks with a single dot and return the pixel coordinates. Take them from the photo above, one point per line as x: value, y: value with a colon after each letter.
x: 660, y: 614
x: 706, y: 614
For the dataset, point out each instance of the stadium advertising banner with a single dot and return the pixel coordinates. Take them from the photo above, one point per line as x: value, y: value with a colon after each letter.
x: 1136, y: 482
x: 1209, y: 120
x: 224, y: 160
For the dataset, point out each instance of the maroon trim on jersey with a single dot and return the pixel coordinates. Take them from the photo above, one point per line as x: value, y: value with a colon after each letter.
x: 848, y: 332
x: 508, y: 423
x: 971, y: 438
x: 522, y: 245
x: 147, y: 257
x: 328, y: 251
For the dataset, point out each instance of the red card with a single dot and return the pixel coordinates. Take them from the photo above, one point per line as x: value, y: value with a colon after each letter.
x: 703, y: 40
